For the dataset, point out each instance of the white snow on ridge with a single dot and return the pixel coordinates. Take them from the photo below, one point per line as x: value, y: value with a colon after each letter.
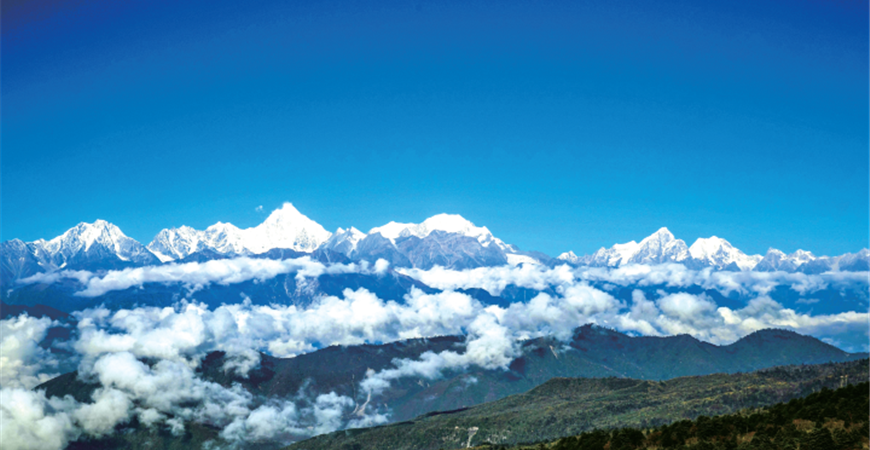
x: 344, y: 241
x: 801, y: 257
x: 82, y: 239
x: 286, y: 227
x: 621, y: 253
x: 570, y: 257
x: 720, y: 253
x: 83, y: 236
x: 661, y: 247
x: 175, y: 243
x: 449, y: 223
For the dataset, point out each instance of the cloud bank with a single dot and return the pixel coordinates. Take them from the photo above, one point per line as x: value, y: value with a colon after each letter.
x: 145, y: 359
x: 197, y: 275
x: 495, y: 279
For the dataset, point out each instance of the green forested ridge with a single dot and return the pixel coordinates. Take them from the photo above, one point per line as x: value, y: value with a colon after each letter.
x: 824, y: 420
x: 569, y: 406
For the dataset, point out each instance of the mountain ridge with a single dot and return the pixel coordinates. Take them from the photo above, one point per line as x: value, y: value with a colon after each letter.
x: 445, y: 240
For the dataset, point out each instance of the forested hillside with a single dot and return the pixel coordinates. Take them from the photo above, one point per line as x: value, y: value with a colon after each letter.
x: 571, y: 406
x: 824, y: 420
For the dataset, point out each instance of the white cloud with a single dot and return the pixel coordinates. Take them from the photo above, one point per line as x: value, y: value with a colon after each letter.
x: 31, y: 421
x: 197, y: 275
x: 110, y: 408
x: 23, y: 363
x: 495, y: 279
x: 168, y: 392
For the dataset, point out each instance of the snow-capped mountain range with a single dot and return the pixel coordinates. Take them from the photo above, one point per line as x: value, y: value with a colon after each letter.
x: 443, y: 240
x: 662, y: 247
x: 448, y: 223
x: 98, y: 245
x: 286, y: 227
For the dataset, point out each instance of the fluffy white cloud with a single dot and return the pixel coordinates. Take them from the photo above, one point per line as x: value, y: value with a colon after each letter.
x: 166, y: 391
x: 110, y: 408
x: 23, y: 363
x: 31, y: 421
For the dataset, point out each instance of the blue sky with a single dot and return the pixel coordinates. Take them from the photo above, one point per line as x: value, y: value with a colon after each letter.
x: 559, y: 125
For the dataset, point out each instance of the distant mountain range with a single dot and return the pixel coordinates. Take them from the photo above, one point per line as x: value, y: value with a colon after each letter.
x: 661, y: 247
x: 591, y: 352
x: 443, y: 240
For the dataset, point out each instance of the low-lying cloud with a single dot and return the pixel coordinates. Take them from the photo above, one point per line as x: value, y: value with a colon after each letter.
x: 145, y: 359
x: 495, y: 279
x: 197, y: 275
x: 23, y: 363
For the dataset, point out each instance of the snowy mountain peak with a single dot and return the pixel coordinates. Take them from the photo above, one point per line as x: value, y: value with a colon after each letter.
x: 659, y: 247
x: 89, y: 241
x: 614, y: 256
x: 285, y: 227
x: 287, y: 214
x: 175, y: 243
x: 344, y: 241
x: 720, y: 253
x: 662, y: 235
x: 222, y: 227
x: 704, y: 247
x: 452, y: 223
x: 772, y: 252
x: 448, y: 223
x: 84, y: 235
x: 570, y: 257
x: 778, y: 260
x: 802, y: 256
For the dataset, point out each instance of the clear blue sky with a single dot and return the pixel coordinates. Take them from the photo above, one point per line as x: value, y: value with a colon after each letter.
x: 559, y: 125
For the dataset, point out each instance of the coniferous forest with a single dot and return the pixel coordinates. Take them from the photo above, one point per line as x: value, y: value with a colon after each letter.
x: 825, y: 420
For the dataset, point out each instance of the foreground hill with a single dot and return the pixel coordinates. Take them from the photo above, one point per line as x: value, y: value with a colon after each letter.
x: 825, y: 420
x: 565, y: 407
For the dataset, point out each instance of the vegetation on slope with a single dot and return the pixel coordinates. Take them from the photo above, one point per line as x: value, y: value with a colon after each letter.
x: 825, y: 420
x: 564, y: 407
